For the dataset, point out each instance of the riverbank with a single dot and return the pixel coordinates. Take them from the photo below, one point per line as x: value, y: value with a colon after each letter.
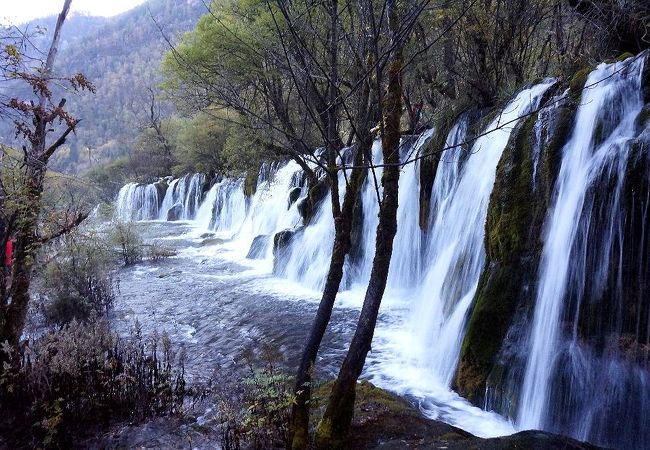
x: 382, y: 421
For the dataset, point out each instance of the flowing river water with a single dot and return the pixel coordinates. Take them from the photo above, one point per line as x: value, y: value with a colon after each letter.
x: 215, y: 306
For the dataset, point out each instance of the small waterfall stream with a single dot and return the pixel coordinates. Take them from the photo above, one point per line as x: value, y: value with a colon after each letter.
x: 598, y: 148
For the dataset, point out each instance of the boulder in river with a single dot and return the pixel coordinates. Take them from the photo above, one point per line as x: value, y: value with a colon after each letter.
x: 294, y: 194
x: 259, y: 247
x: 175, y: 212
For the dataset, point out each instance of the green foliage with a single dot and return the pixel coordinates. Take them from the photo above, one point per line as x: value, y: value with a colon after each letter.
x: 120, y: 56
x: 127, y: 239
x: 254, y: 412
x: 110, y: 178
x: 199, y: 144
x: 82, y: 378
x: 77, y: 280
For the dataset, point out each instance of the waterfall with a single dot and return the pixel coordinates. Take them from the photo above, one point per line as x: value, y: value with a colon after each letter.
x: 576, y: 381
x: 582, y: 246
x: 308, y: 261
x: 224, y: 207
x: 407, y: 263
x: 455, y: 253
x: 137, y: 202
x: 268, y: 212
x: 183, y: 198
x: 168, y: 200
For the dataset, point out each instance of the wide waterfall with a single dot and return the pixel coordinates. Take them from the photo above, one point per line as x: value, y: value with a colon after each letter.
x: 580, y: 251
x: 137, y: 202
x: 576, y: 375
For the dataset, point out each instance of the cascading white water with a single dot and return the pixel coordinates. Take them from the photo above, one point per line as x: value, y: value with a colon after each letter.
x: 309, y: 259
x: 269, y: 211
x: 435, y: 274
x: 137, y: 202
x: 407, y: 262
x: 224, y: 207
x: 183, y: 196
x: 604, y: 125
x: 455, y: 253
x: 168, y: 200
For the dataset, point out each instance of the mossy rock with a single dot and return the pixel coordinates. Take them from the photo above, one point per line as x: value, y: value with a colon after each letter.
x: 622, y: 57
x: 385, y: 421
x: 250, y: 182
x: 316, y: 194
x: 645, y: 81
x: 643, y: 119
x: 578, y: 81
x: 294, y: 194
x: 516, y: 213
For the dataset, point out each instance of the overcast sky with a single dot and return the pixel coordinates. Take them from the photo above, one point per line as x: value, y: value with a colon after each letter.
x: 19, y: 11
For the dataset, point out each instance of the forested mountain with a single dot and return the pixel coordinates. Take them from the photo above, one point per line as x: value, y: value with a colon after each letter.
x: 121, y: 57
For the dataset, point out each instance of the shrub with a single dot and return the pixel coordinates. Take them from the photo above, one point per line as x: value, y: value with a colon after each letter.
x: 77, y: 280
x: 254, y: 412
x: 125, y: 236
x: 75, y: 381
x: 157, y: 251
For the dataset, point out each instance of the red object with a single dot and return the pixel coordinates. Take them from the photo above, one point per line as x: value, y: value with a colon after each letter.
x: 9, y: 251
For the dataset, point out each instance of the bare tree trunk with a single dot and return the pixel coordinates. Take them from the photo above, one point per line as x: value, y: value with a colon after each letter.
x: 333, y: 429
x: 341, y: 248
x: 15, y: 302
x: 343, y: 220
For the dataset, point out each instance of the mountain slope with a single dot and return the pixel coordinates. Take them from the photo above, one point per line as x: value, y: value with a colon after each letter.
x: 121, y: 56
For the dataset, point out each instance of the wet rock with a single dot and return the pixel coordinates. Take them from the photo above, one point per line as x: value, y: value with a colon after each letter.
x: 161, y: 187
x: 259, y: 247
x: 522, y: 192
x: 309, y: 205
x: 294, y: 194
x: 383, y: 420
x: 175, y: 213
x: 211, y: 241
x: 281, y: 245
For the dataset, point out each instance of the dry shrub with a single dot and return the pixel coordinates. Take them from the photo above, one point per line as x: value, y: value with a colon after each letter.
x: 70, y: 383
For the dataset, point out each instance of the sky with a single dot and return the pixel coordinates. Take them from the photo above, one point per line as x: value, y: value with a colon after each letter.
x: 19, y: 11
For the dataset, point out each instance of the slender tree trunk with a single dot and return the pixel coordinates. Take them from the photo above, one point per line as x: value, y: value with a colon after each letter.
x: 343, y: 224
x: 342, y: 244
x: 15, y: 302
x: 334, y: 427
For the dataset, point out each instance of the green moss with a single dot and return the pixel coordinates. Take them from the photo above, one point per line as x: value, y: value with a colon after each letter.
x: 429, y: 167
x: 510, y: 210
x: 578, y: 81
x: 452, y: 436
x: 250, y: 182
x: 512, y: 213
x: 621, y: 57
x: 552, y: 155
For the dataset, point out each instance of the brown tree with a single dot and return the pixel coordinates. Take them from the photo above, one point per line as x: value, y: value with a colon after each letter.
x: 334, y: 427
x: 35, y: 121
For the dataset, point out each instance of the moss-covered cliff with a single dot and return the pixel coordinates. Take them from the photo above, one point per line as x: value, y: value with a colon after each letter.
x: 518, y: 204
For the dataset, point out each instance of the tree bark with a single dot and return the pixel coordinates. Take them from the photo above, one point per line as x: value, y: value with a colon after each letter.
x: 333, y: 429
x: 341, y: 248
x: 343, y: 220
x: 15, y: 302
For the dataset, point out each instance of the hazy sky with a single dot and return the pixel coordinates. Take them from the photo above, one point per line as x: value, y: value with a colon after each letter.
x: 18, y: 11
